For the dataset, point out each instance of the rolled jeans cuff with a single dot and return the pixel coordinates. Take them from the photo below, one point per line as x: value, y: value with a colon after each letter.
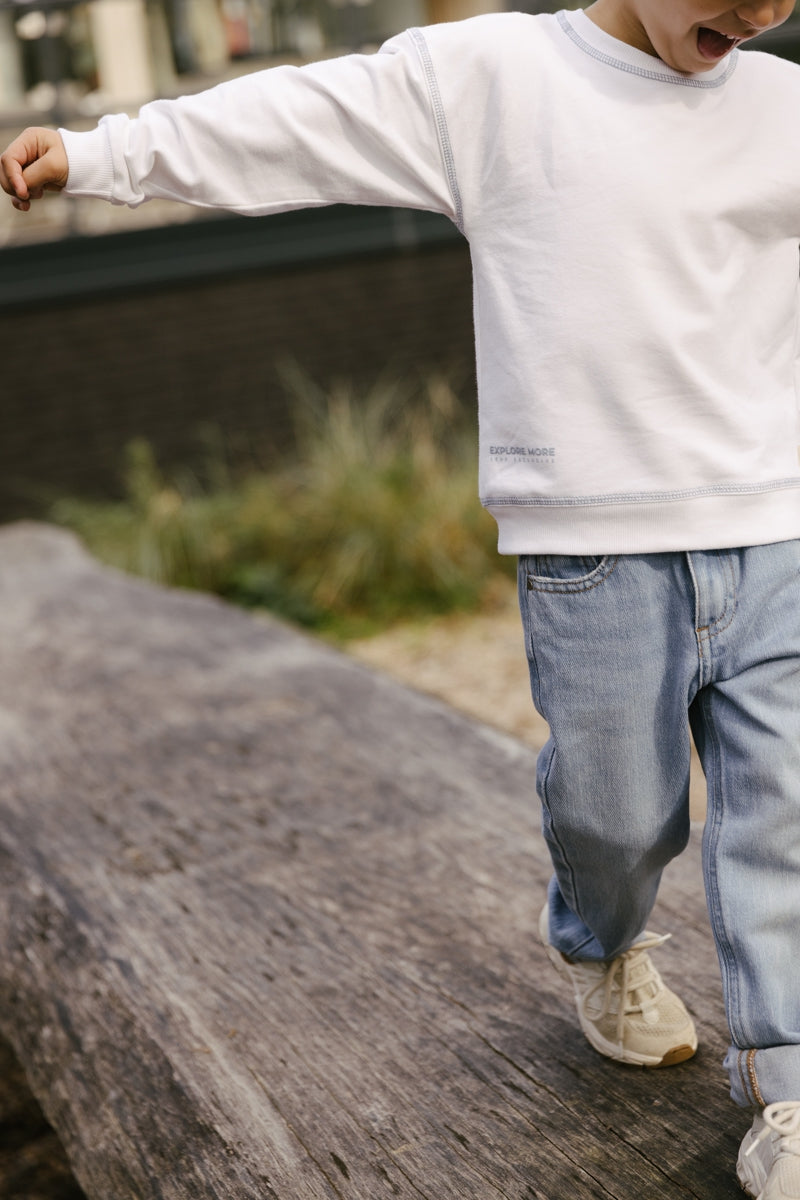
x: 761, y: 1077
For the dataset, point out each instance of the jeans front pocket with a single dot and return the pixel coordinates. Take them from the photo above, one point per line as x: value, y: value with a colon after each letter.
x: 566, y: 572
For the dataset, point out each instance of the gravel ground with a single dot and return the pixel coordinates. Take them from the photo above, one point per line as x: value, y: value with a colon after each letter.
x: 476, y: 663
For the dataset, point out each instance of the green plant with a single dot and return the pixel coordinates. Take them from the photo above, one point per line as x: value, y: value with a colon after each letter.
x: 375, y: 518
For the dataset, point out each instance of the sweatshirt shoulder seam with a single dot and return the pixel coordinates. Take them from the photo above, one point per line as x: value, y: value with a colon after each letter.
x: 440, y: 117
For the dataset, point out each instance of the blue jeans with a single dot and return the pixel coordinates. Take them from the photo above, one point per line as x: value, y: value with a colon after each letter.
x: 622, y: 649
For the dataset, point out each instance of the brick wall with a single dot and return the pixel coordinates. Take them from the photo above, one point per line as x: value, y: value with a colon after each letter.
x: 82, y: 377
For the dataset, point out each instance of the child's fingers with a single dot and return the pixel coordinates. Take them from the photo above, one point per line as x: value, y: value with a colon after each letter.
x: 11, y: 166
x: 34, y: 162
x: 48, y: 172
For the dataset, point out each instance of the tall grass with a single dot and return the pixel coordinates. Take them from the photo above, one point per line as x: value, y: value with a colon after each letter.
x: 375, y: 517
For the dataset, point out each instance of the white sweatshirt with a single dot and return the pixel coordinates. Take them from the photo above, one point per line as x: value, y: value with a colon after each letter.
x: 634, y: 237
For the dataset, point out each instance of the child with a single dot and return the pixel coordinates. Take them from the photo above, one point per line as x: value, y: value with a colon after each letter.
x: 630, y: 188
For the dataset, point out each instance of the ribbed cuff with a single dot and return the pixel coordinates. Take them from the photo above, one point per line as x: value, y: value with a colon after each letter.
x: 91, y: 167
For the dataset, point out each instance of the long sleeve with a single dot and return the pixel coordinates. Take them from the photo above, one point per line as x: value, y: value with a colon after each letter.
x: 361, y: 129
x: 637, y: 390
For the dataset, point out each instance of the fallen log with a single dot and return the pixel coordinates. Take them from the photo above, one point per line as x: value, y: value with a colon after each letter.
x: 268, y: 924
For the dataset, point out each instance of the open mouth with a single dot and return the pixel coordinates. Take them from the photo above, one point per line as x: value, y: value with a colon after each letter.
x: 714, y: 45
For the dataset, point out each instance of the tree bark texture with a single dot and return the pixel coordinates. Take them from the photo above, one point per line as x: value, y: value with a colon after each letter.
x: 268, y: 924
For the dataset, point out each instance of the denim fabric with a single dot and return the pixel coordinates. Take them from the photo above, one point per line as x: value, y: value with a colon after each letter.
x: 625, y: 652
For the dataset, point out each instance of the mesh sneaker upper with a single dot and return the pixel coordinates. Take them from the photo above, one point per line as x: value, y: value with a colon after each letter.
x: 624, y: 1007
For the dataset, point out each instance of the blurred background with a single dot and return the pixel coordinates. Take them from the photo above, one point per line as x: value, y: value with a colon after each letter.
x: 169, y: 378
x: 157, y: 322
x: 161, y: 364
x: 278, y: 410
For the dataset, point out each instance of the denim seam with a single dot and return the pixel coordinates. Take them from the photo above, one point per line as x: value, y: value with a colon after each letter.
x: 576, y: 907
x: 661, y: 76
x: 574, y: 587
x: 544, y: 559
x: 713, y: 827
x: 731, y: 605
x: 701, y: 659
x: 743, y: 1080
x: 714, y: 629
x: 753, y: 1077
x: 547, y: 763
x: 530, y: 647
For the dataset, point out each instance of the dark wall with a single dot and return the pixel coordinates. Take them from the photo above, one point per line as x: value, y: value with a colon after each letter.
x: 82, y: 376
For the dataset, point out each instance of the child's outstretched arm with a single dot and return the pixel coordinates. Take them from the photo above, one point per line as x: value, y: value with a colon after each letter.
x: 362, y: 129
x: 34, y: 163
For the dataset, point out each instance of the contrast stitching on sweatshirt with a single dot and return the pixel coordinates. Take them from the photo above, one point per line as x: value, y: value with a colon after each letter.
x: 719, y: 489
x: 441, y: 122
x: 676, y: 77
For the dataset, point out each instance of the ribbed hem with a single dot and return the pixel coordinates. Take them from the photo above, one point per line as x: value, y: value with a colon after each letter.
x: 91, y: 166
x: 714, y: 522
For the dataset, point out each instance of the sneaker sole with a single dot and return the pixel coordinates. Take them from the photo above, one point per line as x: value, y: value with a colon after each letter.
x: 746, y: 1189
x: 678, y: 1055
x: 746, y: 1176
x: 675, y: 1055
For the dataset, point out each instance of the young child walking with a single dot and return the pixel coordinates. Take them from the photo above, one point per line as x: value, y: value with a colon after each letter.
x: 629, y: 185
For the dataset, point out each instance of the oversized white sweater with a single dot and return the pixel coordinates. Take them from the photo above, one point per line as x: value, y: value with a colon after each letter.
x: 634, y: 237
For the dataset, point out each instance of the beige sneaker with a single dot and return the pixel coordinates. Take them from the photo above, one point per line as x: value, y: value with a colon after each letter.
x: 769, y: 1158
x: 624, y: 1008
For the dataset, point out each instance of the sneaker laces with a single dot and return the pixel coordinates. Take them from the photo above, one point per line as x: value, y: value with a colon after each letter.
x: 783, y: 1119
x: 631, y: 980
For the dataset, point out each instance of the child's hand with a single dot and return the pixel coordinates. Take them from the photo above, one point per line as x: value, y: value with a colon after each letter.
x: 35, y: 163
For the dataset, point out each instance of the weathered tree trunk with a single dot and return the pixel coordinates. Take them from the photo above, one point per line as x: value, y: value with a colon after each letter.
x: 32, y: 1162
x: 268, y: 924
